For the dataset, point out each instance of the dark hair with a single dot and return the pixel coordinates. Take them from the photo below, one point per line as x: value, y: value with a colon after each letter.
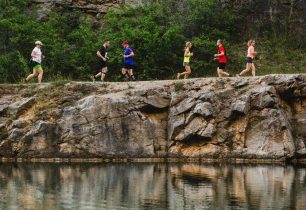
x: 106, y: 40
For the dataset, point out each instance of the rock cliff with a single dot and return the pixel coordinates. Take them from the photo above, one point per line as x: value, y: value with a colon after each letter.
x: 87, y: 6
x: 219, y: 118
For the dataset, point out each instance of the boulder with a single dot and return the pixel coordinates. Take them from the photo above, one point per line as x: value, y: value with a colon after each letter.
x: 241, y: 83
x: 18, y: 107
x: 207, y: 96
x: 158, y: 101
x: 240, y: 107
x: 204, y: 109
x: 184, y: 106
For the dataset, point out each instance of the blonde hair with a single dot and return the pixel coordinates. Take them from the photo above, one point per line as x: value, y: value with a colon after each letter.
x: 187, y: 45
x: 250, y: 42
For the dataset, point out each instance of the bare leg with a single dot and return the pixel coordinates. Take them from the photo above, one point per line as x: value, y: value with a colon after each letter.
x: 187, y: 72
x: 225, y: 73
x: 98, y: 75
x: 31, y: 75
x: 131, y: 74
x: 103, y: 76
x: 248, y: 66
x: 219, y: 72
x: 222, y: 72
x: 40, y: 74
x: 253, y: 70
x: 125, y: 74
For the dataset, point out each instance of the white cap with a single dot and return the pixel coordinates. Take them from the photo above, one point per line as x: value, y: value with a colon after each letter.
x: 38, y: 43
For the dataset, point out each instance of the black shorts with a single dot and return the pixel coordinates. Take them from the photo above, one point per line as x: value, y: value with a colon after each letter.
x: 101, y: 64
x: 221, y: 65
x: 249, y: 60
x: 128, y: 66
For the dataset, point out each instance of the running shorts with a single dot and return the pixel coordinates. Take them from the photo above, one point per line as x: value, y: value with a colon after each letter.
x: 128, y: 66
x: 249, y: 60
x: 221, y: 65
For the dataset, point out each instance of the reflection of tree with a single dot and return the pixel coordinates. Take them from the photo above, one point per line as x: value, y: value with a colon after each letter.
x: 151, y: 186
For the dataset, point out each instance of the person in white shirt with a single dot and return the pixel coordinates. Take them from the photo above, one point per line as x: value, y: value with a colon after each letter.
x: 36, y: 62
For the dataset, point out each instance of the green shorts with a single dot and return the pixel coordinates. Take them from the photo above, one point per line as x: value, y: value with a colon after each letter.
x: 37, y: 66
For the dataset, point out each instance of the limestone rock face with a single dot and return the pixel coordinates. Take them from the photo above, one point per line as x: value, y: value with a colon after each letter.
x: 93, y: 7
x: 251, y: 118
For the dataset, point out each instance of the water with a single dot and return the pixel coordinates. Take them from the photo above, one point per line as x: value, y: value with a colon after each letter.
x: 151, y: 186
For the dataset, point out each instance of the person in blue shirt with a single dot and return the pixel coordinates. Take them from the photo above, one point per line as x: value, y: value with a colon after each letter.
x: 128, y: 62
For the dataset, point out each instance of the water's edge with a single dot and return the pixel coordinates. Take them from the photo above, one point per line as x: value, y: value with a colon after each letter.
x: 151, y: 160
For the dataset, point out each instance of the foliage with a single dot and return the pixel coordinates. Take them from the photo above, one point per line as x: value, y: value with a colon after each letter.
x: 157, y: 32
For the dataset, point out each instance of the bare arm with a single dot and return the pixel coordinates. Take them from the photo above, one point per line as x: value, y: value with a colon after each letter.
x: 186, y: 52
x: 218, y: 55
x: 100, y: 56
x: 253, y: 51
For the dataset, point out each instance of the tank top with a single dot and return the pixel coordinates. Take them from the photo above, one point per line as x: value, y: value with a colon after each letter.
x: 187, y: 57
x: 251, y: 52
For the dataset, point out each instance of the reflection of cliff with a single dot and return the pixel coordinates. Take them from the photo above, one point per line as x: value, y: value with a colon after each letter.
x: 149, y: 186
x: 259, y: 187
x: 74, y: 187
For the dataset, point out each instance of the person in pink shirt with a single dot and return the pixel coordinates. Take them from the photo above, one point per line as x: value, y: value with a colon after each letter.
x: 250, y: 57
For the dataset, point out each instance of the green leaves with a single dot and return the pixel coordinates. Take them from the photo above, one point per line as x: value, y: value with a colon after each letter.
x: 157, y: 33
x: 13, y: 67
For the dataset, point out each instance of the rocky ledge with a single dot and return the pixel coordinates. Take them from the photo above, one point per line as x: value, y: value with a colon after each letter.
x: 209, y: 118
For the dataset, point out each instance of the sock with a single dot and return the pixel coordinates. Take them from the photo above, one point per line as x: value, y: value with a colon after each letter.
x: 125, y: 77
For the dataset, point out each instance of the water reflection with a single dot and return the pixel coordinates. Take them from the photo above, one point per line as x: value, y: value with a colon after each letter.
x: 151, y: 186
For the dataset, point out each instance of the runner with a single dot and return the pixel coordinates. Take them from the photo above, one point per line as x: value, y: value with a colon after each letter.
x: 250, y: 57
x: 36, y: 56
x: 186, y: 63
x: 128, y: 62
x: 102, y: 55
x: 222, y: 59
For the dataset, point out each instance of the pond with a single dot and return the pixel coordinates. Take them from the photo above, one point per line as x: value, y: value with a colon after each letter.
x: 151, y: 186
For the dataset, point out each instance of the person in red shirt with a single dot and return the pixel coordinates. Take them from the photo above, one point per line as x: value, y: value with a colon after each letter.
x: 222, y: 59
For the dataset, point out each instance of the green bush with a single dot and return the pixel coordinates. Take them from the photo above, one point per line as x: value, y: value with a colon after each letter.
x: 13, y: 67
x: 157, y: 32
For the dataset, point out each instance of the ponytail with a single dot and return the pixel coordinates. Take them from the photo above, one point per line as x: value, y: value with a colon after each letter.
x: 187, y: 45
